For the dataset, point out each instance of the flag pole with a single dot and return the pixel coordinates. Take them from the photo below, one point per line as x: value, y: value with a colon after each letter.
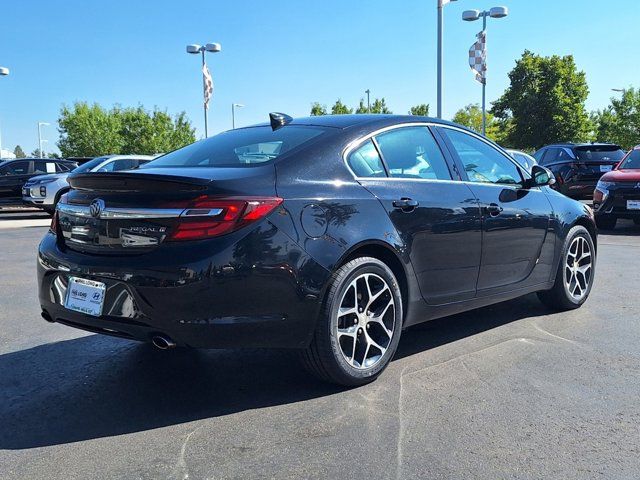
x: 484, y: 81
x: 204, y: 94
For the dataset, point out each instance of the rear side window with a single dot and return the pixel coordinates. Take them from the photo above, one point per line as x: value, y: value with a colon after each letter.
x: 18, y: 168
x: 365, y: 161
x: 245, y: 147
x: 412, y: 152
x: 40, y: 166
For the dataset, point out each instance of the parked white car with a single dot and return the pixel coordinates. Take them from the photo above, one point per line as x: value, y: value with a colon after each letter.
x: 44, y: 191
x: 525, y: 160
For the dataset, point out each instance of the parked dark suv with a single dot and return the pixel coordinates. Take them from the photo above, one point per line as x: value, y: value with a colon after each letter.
x: 15, y: 173
x: 579, y: 166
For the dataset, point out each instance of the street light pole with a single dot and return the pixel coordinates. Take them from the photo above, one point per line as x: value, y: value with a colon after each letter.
x: 471, y: 16
x: 40, y: 125
x: 4, y: 71
x: 195, y: 49
x: 441, y: 4
x: 368, y: 92
x: 233, y: 113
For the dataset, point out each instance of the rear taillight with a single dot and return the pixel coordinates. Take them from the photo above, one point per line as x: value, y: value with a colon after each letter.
x: 224, y: 216
x: 53, y: 228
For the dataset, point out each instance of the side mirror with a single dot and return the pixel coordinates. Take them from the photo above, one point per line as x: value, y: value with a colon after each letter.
x: 541, y: 176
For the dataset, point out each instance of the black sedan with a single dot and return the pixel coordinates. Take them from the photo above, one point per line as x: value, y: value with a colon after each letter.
x: 326, y: 234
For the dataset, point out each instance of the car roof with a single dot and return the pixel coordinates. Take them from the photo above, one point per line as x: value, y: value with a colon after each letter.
x: 357, y: 119
x: 584, y: 144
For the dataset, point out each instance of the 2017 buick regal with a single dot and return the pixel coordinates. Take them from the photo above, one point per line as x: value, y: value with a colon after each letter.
x: 326, y: 234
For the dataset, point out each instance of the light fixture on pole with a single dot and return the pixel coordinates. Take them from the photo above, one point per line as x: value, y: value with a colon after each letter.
x: 441, y: 4
x: 4, y: 71
x: 233, y: 113
x: 368, y: 92
x: 477, y: 52
x: 207, y: 81
x: 40, y: 125
x: 619, y: 90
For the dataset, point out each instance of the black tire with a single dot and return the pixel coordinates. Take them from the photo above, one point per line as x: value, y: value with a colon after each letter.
x: 606, y: 222
x: 324, y: 357
x: 558, y: 297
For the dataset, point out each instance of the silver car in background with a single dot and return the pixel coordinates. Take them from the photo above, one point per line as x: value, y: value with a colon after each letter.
x: 525, y: 160
x: 44, y: 191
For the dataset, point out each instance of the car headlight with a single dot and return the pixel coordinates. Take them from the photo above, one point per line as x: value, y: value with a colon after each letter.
x: 604, y: 186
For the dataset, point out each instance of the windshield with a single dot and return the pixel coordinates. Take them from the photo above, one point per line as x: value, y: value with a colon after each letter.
x: 87, y: 167
x: 590, y: 153
x: 245, y: 147
x: 632, y: 161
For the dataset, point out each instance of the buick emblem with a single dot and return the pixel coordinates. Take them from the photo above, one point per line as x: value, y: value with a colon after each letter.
x: 96, y: 207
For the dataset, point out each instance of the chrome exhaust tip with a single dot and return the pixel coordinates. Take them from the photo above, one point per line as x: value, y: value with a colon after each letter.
x: 162, y: 342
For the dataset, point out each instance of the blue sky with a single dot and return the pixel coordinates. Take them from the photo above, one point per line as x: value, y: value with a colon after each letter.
x: 282, y: 56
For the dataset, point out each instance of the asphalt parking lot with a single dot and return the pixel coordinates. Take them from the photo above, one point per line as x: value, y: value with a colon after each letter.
x: 508, y: 391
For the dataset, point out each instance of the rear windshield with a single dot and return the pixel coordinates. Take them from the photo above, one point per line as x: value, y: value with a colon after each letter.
x: 245, y: 147
x: 632, y: 161
x: 599, y: 153
x: 88, y: 166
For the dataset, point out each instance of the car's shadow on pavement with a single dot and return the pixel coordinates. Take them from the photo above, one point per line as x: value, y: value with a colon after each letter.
x: 97, y: 386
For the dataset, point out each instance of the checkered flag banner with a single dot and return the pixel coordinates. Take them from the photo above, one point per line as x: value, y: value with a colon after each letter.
x: 208, y: 85
x: 478, y: 58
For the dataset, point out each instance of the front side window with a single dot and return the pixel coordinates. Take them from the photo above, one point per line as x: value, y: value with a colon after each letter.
x: 412, y: 152
x: 482, y: 162
x: 244, y: 147
x: 365, y: 161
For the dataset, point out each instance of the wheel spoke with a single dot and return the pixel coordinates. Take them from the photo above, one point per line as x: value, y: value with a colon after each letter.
x: 362, y: 348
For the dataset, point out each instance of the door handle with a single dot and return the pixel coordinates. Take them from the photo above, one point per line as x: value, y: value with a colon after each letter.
x: 405, y: 204
x: 493, y: 209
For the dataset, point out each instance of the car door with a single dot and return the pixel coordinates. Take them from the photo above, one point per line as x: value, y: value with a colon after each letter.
x: 437, y: 218
x: 515, y: 220
x: 14, y: 175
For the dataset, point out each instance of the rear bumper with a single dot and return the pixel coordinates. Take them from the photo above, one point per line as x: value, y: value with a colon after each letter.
x: 260, y: 290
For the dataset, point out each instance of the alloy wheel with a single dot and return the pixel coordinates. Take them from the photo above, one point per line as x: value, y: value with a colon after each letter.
x: 366, y: 321
x: 578, y: 268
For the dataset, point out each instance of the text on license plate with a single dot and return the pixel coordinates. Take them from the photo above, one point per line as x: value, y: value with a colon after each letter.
x: 633, y: 204
x: 85, y: 296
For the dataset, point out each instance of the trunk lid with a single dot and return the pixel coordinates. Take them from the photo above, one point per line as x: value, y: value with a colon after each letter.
x: 134, y: 212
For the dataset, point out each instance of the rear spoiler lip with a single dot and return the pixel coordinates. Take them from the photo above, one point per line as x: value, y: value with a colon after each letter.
x: 134, y: 181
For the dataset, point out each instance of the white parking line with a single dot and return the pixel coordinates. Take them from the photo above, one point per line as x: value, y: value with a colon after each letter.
x: 40, y: 222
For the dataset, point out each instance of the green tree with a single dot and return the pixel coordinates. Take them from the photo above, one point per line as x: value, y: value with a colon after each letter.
x: 35, y: 153
x: 154, y: 132
x: 92, y: 131
x: 340, y: 108
x: 18, y: 152
x: 545, y: 102
x: 379, y: 106
x: 53, y: 155
x: 619, y: 122
x: 471, y: 117
x: 420, y: 110
x: 318, y: 110
x: 362, y: 108
x: 88, y: 131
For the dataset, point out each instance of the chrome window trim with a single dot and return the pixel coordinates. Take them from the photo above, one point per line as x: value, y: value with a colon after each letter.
x: 112, y: 213
x: 353, y: 145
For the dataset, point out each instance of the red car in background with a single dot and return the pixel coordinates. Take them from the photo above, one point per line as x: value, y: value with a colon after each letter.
x: 617, y: 194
